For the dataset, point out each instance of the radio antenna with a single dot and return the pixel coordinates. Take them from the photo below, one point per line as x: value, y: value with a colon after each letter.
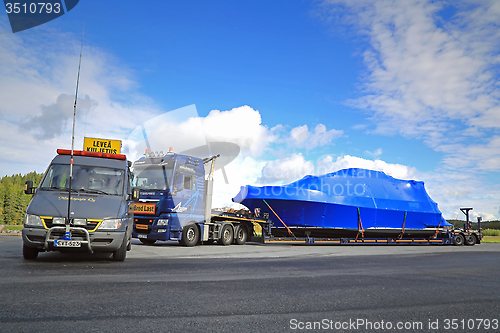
x: 67, y: 233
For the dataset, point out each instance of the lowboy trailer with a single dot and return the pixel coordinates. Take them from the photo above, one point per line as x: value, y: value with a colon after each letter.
x: 458, y: 237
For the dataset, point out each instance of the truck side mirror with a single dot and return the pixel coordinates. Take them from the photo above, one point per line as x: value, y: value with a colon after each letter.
x: 28, y: 187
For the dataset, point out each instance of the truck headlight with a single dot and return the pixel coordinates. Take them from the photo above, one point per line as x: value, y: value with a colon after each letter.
x: 32, y: 221
x: 110, y: 224
x: 162, y: 222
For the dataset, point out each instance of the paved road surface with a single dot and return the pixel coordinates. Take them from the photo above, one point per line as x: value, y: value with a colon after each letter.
x: 252, y: 288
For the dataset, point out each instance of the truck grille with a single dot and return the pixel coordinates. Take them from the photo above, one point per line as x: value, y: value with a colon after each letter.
x: 142, y: 231
x: 143, y: 226
x: 91, y: 224
x: 143, y: 221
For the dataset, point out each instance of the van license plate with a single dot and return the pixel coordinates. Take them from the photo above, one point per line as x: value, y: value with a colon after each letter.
x: 142, y: 236
x: 67, y: 243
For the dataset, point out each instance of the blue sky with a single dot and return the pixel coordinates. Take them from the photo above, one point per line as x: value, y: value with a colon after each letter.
x: 406, y: 87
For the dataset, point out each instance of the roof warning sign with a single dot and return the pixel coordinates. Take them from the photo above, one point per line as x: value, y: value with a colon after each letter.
x: 102, y: 145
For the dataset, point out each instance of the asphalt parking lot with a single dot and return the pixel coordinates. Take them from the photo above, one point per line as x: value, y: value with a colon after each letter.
x: 252, y: 288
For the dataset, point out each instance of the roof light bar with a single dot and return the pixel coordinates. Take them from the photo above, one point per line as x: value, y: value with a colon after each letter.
x: 91, y: 154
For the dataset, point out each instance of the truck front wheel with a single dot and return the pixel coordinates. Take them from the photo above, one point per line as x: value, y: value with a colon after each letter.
x: 190, y: 235
x: 29, y: 253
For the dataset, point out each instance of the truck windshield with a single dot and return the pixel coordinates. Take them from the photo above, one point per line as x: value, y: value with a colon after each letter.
x: 90, y: 179
x: 153, y: 177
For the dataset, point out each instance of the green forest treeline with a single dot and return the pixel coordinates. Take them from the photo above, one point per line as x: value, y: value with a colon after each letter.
x: 13, y: 201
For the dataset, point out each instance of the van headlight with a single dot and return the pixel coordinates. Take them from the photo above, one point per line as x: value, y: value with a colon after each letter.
x: 32, y: 221
x: 80, y: 222
x: 110, y: 224
x: 59, y: 221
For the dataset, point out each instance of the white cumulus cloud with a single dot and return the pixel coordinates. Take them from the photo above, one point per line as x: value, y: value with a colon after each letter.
x: 285, y: 170
x: 329, y: 164
x: 242, y: 126
x: 303, y: 138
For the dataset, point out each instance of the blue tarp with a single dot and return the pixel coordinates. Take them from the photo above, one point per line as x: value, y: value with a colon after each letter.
x: 344, y: 198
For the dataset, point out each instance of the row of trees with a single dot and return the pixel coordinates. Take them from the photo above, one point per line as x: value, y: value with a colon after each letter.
x: 13, y: 201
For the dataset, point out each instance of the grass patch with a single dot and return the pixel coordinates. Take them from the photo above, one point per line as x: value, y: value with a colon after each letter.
x: 491, y: 232
x: 491, y: 239
x: 12, y: 227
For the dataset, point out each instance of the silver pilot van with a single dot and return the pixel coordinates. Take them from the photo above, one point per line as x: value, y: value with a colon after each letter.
x: 92, y: 215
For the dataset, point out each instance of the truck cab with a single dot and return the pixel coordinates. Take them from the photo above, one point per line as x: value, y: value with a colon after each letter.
x: 90, y: 214
x: 169, y: 191
x: 172, y: 196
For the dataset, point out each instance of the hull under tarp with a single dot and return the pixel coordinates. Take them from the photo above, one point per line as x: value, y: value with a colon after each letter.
x: 347, y: 203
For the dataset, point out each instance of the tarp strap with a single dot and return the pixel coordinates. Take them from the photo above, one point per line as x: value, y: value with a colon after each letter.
x: 403, y: 229
x: 289, y: 231
x: 360, y: 226
x: 439, y: 225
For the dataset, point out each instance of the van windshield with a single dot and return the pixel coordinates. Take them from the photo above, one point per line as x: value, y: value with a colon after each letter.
x: 153, y: 177
x: 90, y: 179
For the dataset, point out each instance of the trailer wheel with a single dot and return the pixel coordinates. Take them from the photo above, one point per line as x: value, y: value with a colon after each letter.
x: 241, y: 235
x: 470, y: 240
x: 147, y: 241
x: 226, y: 235
x: 121, y: 253
x: 29, y: 253
x: 458, y: 240
x: 190, y: 235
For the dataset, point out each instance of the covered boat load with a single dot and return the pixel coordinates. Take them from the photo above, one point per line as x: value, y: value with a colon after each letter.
x: 351, y: 203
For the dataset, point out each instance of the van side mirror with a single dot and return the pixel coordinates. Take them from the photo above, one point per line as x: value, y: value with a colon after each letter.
x: 135, y: 194
x: 28, y: 187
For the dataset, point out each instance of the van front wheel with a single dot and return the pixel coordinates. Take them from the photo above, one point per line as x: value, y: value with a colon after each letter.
x: 121, y: 253
x: 29, y: 253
